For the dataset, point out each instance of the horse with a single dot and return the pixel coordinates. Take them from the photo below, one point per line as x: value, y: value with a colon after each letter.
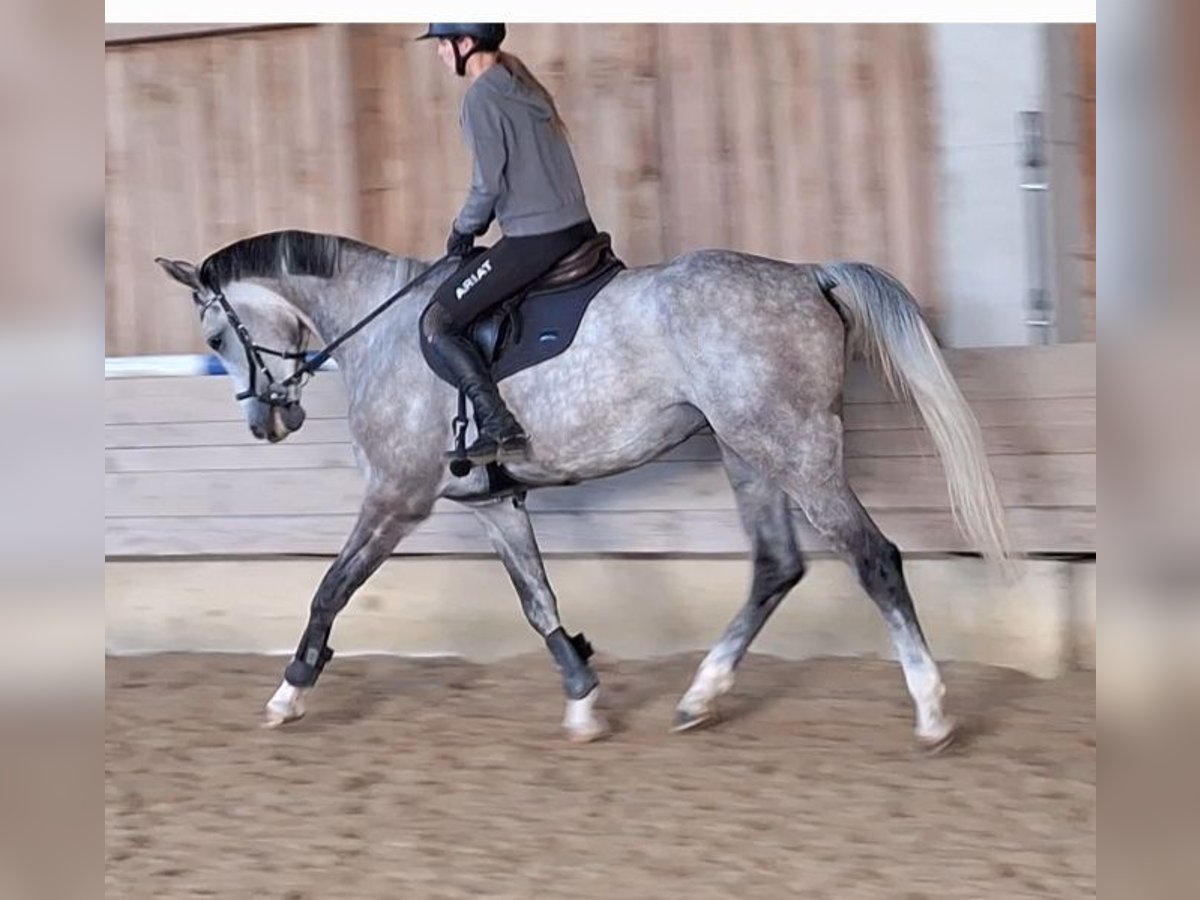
x: 753, y: 348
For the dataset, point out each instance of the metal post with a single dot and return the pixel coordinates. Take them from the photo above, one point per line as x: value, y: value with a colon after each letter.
x: 1039, y: 315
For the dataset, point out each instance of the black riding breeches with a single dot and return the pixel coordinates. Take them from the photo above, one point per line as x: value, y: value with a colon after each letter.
x: 496, y: 274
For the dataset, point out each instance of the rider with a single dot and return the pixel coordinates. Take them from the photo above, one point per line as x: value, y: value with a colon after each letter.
x: 524, y: 176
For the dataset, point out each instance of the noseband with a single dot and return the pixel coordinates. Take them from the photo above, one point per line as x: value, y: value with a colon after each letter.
x: 286, y: 393
x: 283, y: 393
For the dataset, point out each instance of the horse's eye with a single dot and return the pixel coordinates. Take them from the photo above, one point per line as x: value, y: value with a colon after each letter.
x: 215, y: 342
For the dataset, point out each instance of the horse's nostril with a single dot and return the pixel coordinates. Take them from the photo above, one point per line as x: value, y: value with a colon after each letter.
x: 258, y: 431
x: 293, y: 416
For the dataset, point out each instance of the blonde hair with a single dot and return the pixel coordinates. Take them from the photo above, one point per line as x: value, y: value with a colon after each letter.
x: 521, y: 72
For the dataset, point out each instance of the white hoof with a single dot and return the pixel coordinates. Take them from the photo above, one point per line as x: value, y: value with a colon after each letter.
x: 698, y: 706
x: 690, y: 719
x: 581, y: 722
x: 286, y: 705
x: 937, y: 736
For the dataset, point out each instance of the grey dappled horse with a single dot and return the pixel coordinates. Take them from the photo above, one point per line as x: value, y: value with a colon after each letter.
x: 753, y: 347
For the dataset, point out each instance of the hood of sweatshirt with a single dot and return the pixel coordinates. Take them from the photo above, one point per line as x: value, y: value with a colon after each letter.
x: 502, y: 85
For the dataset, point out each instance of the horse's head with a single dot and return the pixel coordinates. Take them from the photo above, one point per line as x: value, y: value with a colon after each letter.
x: 260, y: 339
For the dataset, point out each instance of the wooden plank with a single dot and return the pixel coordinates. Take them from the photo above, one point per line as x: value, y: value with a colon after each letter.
x: 219, y: 421
x: 231, y: 179
x: 1065, y: 371
x: 156, y: 421
x: 336, y: 455
x: 861, y: 186
x: 335, y: 450
x: 118, y: 262
x: 203, y: 399
x: 1035, y: 414
x: 880, y: 482
x: 1022, y: 373
x: 1056, y: 370
x: 615, y: 142
x: 437, y: 164
x: 262, y: 142
x: 700, y: 532
x: 130, y: 32
x: 184, y: 180
x: 1009, y: 426
x: 1085, y: 44
x: 748, y: 127
x: 217, y: 434
x: 692, y: 146
x: 921, y: 149
x: 142, y: 87
x: 1053, y: 437
x: 805, y: 154
x: 366, y: 51
x: 896, y: 126
x: 420, y: 140
x: 643, y: 244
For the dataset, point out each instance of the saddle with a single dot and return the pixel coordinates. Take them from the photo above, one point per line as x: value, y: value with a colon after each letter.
x: 536, y: 324
x: 540, y: 322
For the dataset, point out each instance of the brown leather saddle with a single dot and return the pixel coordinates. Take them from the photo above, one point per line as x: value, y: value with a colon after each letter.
x: 579, y: 263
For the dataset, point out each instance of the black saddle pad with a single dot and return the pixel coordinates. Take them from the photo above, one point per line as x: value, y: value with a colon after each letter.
x: 534, y: 327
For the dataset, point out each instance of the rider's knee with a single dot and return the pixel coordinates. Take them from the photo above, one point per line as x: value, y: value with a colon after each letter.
x: 436, y: 321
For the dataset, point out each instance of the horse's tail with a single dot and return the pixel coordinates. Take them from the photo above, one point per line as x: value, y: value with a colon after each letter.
x: 885, y: 324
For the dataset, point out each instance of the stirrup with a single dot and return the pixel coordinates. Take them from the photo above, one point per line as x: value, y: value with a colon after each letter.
x: 486, y: 449
x: 460, y: 465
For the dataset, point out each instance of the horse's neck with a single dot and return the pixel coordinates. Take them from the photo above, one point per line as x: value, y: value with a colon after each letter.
x: 334, y: 306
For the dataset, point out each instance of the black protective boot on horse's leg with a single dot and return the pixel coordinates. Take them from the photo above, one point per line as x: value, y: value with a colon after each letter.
x: 501, y: 437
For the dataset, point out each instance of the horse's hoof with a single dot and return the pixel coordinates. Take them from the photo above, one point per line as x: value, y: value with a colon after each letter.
x: 275, y: 718
x: 581, y: 722
x: 686, y: 720
x: 588, y: 735
x: 934, y: 745
x: 287, y: 705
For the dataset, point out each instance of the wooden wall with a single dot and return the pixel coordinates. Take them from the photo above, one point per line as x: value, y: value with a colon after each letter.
x: 209, y: 139
x: 184, y: 477
x: 798, y: 141
x: 1085, y: 56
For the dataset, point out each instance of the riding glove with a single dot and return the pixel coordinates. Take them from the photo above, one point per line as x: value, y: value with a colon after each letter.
x: 459, y: 244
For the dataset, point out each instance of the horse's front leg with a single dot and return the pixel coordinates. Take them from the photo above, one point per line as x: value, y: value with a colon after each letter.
x: 383, y: 520
x: 508, y: 526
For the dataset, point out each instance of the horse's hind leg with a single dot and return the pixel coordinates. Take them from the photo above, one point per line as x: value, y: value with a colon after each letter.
x: 778, y: 566
x: 817, y: 482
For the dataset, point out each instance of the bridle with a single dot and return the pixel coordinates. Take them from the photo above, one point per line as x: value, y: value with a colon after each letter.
x: 274, y: 393
x: 285, y: 394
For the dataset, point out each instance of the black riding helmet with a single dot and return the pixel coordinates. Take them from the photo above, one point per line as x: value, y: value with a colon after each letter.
x: 487, y: 37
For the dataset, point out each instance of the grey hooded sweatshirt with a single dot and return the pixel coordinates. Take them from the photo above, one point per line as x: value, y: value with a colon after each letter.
x: 524, y: 174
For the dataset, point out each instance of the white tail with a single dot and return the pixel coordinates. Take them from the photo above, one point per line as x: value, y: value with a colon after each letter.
x: 886, y: 326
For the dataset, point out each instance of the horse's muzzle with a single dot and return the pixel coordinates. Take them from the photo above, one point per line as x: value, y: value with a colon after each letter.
x: 292, y: 416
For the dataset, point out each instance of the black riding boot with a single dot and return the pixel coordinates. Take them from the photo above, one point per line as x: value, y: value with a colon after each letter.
x: 501, y: 438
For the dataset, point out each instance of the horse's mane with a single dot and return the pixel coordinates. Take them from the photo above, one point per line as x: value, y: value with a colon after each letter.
x: 278, y: 254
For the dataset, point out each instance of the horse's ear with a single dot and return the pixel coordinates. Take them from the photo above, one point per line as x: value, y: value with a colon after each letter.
x: 183, y: 272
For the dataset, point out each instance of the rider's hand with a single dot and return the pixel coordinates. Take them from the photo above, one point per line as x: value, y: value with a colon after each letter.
x: 459, y: 244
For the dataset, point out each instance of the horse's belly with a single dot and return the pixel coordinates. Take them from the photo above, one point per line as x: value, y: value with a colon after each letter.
x: 604, y: 405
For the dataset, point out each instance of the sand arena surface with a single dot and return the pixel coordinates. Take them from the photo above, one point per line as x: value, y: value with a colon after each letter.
x: 445, y: 779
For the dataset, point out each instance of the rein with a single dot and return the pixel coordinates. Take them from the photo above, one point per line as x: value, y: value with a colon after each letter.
x: 286, y: 393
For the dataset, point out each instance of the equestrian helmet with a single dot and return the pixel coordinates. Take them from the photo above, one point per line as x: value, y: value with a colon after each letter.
x: 486, y: 35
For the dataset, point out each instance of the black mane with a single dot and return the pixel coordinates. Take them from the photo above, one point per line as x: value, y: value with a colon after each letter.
x: 276, y: 254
